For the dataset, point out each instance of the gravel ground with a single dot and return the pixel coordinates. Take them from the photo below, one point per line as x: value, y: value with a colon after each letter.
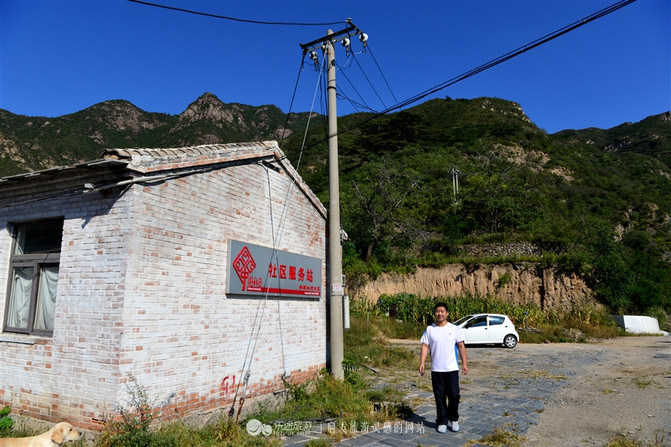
x: 551, y: 395
x: 588, y: 393
x: 615, y: 387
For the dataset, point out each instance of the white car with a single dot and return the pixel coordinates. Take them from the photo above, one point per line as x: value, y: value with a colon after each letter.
x: 488, y: 329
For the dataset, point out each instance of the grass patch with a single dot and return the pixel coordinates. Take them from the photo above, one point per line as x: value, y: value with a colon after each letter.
x: 342, y: 407
x: 137, y: 425
x: 387, y: 393
x: 397, y: 329
x: 223, y: 432
x: 642, y: 383
x: 567, y: 330
x: 6, y: 422
x: 365, y: 345
x: 661, y: 440
x: 319, y: 443
x: 499, y: 438
x: 536, y: 374
x: 321, y: 399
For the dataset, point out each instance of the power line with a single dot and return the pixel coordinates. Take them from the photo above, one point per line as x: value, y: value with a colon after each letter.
x: 358, y: 106
x: 494, y: 62
x: 382, y: 73
x: 234, y: 19
x: 368, y: 79
x: 499, y: 60
x: 342, y: 93
x: 291, y: 104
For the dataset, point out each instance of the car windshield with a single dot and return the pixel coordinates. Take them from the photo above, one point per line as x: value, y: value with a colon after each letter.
x: 463, y: 319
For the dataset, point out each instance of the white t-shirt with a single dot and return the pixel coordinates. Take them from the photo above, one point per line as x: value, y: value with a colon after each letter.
x: 442, y: 341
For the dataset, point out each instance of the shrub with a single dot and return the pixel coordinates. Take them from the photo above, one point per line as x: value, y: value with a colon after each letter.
x: 6, y: 423
x: 133, y: 427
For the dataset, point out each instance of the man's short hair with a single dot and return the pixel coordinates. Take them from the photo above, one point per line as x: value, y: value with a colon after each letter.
x: 440, y: 304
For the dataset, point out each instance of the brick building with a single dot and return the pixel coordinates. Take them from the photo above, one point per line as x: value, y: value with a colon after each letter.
x: 150, y: 266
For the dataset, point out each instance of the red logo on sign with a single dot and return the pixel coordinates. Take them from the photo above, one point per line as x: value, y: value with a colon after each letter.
x: 244, y: 264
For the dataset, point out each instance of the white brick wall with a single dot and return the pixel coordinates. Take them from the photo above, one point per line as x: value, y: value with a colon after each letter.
x: 69, y: 375
x: 142, y: 295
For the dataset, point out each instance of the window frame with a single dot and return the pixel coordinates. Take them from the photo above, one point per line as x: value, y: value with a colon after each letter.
x: 38, y: 262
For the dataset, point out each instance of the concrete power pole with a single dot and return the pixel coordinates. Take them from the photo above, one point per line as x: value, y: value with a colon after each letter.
x: 335, y: 287
x: 335, y: 247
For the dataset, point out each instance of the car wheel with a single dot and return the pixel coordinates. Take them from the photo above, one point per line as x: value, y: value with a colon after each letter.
x: 510, y: 341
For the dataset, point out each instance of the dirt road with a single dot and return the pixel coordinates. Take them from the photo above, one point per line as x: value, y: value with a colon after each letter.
x: 623, y: 386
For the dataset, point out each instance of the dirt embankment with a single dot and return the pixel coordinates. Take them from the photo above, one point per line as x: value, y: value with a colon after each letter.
x: 519, y: 283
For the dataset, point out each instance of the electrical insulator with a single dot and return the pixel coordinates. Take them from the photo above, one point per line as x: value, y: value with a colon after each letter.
x: 363, y: 37
x: 345, y: 42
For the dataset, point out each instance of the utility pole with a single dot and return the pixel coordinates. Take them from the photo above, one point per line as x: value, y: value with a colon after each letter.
x: 335, y: 247
x: 335, y: 287
x: 455, y: 182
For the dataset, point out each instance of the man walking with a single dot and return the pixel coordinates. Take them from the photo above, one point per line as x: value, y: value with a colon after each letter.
x: 444, y: 339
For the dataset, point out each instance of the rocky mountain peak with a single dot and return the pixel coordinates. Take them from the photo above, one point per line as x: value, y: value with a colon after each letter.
x: 208, y: 97
x: 211, y: 109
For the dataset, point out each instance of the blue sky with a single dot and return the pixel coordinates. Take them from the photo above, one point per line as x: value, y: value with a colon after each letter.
x: 61, y: 56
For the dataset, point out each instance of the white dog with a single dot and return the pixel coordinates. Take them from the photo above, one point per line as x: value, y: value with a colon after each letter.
x: 58, y: 434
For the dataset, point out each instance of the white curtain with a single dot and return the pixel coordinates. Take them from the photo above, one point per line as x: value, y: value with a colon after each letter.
x: 19, y: 300
x: 46, y: 298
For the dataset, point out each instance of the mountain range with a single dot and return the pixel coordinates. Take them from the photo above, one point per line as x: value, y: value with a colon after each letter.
x: 29, y: 143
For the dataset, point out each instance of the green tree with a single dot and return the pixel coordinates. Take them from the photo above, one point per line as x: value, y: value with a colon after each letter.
x: 374, y: 211
x: 608, y: 274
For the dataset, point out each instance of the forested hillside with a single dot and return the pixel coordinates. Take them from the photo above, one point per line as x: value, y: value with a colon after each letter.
x: 596, y: 201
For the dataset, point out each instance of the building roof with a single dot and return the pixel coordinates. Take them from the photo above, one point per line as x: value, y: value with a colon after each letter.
x: 87, y: 166
x: 159, y: 159
x: 144, y: 164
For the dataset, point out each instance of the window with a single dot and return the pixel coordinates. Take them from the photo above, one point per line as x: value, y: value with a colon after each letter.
x: 32, y: 289
x: 495, y: 320
x: 480, y: 321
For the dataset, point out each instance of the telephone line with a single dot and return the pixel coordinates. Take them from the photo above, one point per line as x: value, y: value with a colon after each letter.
x: 234, y: 19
